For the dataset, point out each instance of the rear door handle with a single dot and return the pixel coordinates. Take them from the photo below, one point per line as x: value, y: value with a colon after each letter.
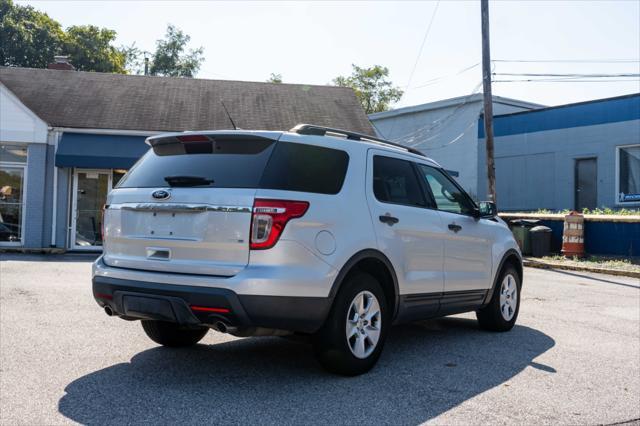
x: 388, y: 219
x: 454, y: 227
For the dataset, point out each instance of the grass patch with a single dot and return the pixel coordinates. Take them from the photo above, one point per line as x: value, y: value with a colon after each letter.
x: 618, y: 263
x: 604, y: 211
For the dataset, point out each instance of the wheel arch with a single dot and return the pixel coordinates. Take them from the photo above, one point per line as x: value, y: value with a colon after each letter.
x: 378, y: 265
x: 511, y: 257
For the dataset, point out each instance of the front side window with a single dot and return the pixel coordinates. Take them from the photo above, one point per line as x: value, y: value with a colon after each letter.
x: 395, y: 182
x: 447, y: 196
x: 629, y: 174
x: 13, y: 159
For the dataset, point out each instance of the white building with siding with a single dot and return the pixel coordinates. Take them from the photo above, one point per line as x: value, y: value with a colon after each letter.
x: 446, y: 131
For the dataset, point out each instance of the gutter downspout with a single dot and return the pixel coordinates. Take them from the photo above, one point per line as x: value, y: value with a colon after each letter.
x: 54, y: 207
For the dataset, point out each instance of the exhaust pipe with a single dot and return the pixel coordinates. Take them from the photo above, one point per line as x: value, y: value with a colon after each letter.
x: 108, y: 311
x: 221, y: 327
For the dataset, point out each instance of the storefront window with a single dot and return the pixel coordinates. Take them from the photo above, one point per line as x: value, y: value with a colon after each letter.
x: 629, y: 174
x: 12, y: 170
x: 13, y: 154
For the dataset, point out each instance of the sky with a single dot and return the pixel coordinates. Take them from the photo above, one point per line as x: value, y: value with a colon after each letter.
x: 313, y: 42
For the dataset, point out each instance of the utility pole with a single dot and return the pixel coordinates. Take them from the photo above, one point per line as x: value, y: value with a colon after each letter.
x: 488, y: 100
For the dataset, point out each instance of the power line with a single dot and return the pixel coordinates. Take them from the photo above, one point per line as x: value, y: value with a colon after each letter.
x: 457, y: 138
x: 551, y: 80
x: 443, y: 77
x: 415, y: 65
x: 411, y: 136
x: 586, y: 61
x: 566, y: 75
x: 424, y: 40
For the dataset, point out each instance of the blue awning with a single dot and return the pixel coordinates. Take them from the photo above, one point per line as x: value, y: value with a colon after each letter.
x: 99, y: 151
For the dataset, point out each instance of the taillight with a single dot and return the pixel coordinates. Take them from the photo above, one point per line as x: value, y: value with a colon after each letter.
x: 193, y: 138
x: 269, y: 219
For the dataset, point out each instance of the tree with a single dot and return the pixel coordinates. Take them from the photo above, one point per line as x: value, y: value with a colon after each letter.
x: 134, y: 59
x: 28, y: 38
x: 274, y: 78
x: 373, y: 89
x: 170, y: 58
x: 89, y: 49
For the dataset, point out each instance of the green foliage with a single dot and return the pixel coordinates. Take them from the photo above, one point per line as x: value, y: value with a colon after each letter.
x: 607, y: 262
x: 596, y: 211
x: 372, y: 87
x: 170, y: 58
x: 274, y: 78
x: 133, y: 59
x: 89, y: 49
x: 28, y: 38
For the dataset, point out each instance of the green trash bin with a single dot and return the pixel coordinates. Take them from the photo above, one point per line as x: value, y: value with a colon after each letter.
x: 521, y: 229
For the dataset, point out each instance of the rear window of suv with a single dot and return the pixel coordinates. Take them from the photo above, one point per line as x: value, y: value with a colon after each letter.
x: 305, y: 168
x: 240, y: 163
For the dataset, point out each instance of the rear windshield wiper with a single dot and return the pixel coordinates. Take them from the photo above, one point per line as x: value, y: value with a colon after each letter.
x: 183, y: 181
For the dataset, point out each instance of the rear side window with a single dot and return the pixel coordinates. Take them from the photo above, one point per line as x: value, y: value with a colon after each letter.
x: 305, y: 168
x: 223, y: 163
x: 395, y: 181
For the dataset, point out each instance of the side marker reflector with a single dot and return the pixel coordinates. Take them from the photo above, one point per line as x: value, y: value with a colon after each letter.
x: 104, y: 296
x: 207, y: 309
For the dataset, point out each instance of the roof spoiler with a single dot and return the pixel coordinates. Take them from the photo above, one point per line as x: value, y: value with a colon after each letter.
x: 209, y: 136
x: 212, y: 142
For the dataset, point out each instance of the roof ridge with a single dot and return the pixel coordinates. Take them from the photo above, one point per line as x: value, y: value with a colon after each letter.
x: 570, y: 105
x: 118, y: 75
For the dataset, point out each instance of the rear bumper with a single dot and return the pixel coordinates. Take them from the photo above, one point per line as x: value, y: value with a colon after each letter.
x: 288, y: 269
x: 134, y: 300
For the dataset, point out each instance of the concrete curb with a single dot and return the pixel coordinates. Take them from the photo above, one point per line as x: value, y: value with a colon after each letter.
x: 559, y: 265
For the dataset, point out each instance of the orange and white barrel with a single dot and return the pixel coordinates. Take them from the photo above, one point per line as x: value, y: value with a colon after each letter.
x: 573, y: 235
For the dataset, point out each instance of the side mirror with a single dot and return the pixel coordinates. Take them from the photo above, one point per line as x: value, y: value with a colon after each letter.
x: 487, y: 209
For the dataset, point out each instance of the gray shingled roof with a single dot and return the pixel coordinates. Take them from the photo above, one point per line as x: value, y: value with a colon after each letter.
x: 114, y: 101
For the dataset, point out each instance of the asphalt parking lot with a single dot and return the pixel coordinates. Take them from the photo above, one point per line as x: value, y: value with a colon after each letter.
x: 573, y: 358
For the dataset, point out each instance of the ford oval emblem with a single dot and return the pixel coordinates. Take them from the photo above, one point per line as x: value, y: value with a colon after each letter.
x: 161, y: 194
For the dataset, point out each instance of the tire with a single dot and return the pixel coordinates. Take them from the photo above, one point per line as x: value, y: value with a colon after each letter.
x: 358, y: 354
x: 171, y: 334
x: 501, y: 314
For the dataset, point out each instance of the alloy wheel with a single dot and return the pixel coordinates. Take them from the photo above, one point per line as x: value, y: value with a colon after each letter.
x: 508, y: 297
x: 364, y: 322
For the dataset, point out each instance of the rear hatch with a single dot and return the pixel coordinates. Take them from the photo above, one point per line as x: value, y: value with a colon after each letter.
x: 185, y: 206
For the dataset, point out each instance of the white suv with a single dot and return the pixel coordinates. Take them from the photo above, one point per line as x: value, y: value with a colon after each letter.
x: 314, y: 231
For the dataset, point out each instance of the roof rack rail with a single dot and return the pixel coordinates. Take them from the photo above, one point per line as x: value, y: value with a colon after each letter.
x: 311, y: 129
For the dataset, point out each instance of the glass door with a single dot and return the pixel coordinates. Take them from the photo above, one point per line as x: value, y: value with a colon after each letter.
x: 11, y: 204
x: 90, y: 194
